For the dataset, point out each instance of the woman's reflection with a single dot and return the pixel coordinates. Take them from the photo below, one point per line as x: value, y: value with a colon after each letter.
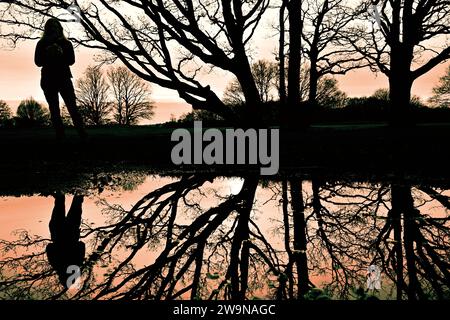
x: 66, y: 249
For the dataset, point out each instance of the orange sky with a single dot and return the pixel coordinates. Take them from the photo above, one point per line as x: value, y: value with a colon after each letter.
x: 19, y: 77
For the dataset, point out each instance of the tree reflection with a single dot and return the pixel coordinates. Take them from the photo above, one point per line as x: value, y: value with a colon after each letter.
x: 383, y: 224
x: 201, y: 244
x: 421, y: 241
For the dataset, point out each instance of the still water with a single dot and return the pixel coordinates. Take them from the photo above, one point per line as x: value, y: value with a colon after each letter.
x: 144, y: 236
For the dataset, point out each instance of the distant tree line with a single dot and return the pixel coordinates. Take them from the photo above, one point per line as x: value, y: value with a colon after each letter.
x: 120, y: 98
x: 266, y: 74
x: 95, y: 92
x: 331, y: 104
x: 30, y: 113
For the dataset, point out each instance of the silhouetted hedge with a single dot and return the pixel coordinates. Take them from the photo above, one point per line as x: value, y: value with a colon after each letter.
x: 365, y: 109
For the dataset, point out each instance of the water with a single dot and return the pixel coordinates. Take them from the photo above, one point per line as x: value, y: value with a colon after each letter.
x: 153, y: 236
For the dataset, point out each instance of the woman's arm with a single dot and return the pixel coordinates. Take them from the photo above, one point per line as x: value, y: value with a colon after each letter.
x: 38, y: 57
x: 70, y: 54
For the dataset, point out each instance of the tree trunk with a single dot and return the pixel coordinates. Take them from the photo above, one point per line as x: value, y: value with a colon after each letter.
x: 400, y: 97
x: 398, y: 248
x: 402, y: 201
x: 313, y: 80
x: 281, y: 56
x: 287, y: 238
x: 295, y: 29
x: 400, y: 83
x: 410, y: 216
x: 249, y: 89
x: 300, y: 237
x: 239, y: 255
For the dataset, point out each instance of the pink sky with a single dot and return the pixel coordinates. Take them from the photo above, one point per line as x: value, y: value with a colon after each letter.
x: 20, y: 78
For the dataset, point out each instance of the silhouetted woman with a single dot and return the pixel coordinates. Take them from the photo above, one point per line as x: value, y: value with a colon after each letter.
x: 66, y: 249
x: 55, y: 54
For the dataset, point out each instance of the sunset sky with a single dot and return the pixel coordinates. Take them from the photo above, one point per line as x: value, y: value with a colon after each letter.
x: 20, y: 77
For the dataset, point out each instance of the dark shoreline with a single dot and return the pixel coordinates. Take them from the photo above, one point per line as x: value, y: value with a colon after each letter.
x: 32, y: 159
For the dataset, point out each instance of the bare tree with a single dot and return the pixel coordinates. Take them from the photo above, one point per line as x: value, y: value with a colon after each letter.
x: 163, y: 42
x: 92, y: 95
x: 233, y: 94
x: 5, y: 112
x: 282, y: 90
x: 31, y: 112
x: 131, y: 97
x: 408, y: 39
x: 441, y: 92
x: 329, y: 95
x: 265, y: 74
x: 295, y: 29
x: 327, y: 92
x: 324, y: 34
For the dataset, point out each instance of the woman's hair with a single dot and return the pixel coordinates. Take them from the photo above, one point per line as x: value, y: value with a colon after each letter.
x: 53, y: 29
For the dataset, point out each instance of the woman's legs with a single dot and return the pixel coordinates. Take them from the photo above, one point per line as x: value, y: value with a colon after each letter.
x: 73, y: 219
x: 57, y: 221
x: 51, y: 95
x: 68, y: 94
